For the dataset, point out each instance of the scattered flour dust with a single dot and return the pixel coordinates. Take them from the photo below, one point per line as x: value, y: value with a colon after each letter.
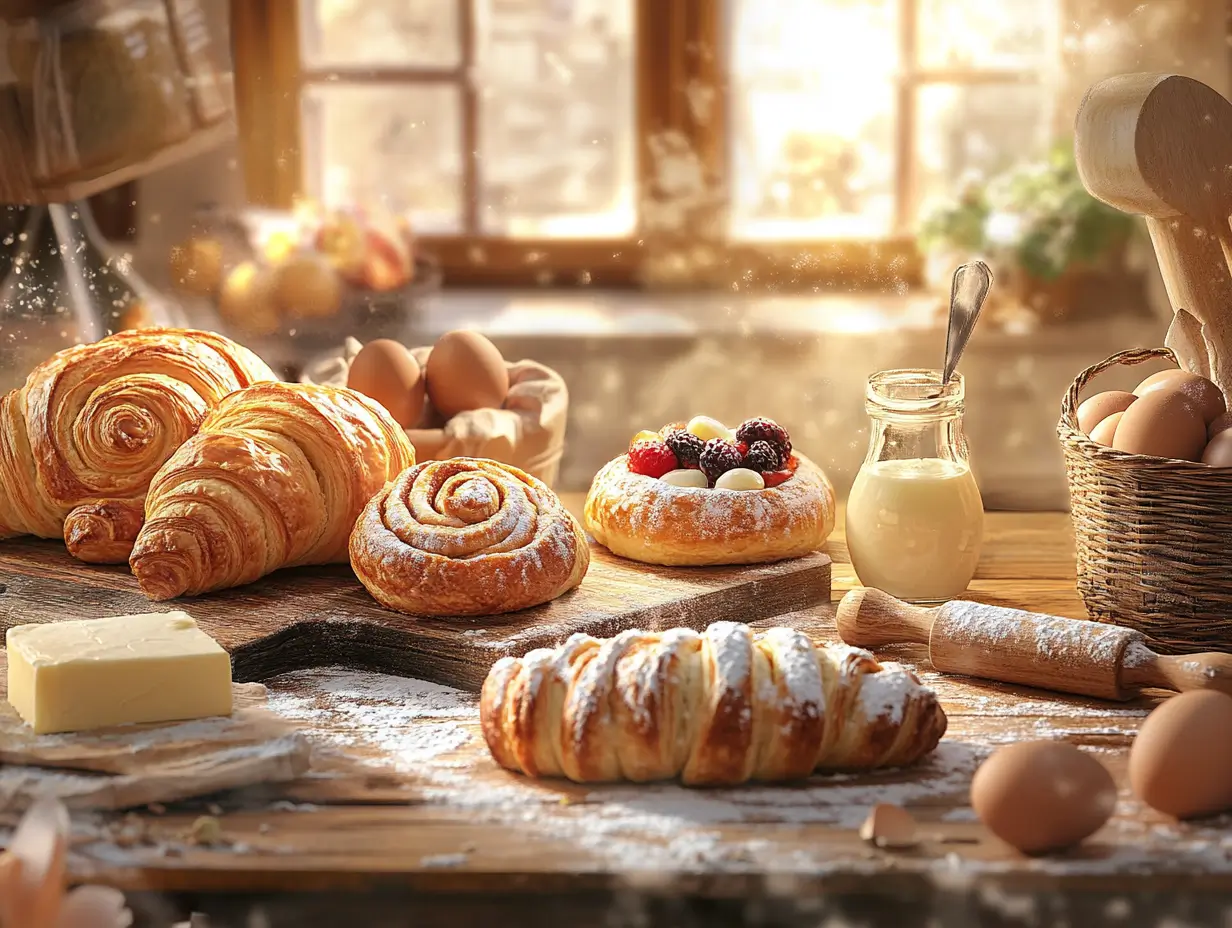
x: 648, y: 829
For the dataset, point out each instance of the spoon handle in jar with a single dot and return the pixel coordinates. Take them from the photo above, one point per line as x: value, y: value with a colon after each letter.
x: 967, y: 294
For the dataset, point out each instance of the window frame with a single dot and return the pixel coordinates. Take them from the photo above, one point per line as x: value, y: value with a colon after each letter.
x: 679, y: 45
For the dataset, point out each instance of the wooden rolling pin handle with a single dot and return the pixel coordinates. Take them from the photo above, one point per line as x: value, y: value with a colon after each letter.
x: 1181, y: 673
x: 869, y: 618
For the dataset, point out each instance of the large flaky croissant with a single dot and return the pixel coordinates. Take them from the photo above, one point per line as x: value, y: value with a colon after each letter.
x: 275, y: 478
x: 467, y: 536
x: 718, y: 708
x: 81, y: 440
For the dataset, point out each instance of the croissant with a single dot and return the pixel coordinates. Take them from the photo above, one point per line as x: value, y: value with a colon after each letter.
x: 718, y: 708
x: 81, y: 440
x: 467, y: 536
x: 275, y: 478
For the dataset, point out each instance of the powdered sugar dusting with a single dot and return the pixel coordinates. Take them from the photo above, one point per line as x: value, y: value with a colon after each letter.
x: 1137, y: 654
x: 885, y: 694
x: 731, y: 647
x: 795, y: 659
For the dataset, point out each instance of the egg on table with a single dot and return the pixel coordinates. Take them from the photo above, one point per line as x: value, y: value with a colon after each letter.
x: 1040, y: 796
x: 1181, y: 761
x: 1164, y: 424
x: 465, y: 371
x: 1205, y: 396
x: 1099, y: 407
x: 386, y: 372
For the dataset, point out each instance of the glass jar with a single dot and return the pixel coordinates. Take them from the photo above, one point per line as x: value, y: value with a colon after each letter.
x: 915, y: 519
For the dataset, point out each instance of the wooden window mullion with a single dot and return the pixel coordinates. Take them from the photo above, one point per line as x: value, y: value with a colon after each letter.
x: 906, y: 179
x: 470, y: 118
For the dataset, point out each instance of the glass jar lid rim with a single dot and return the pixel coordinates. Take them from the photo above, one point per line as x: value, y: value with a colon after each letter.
x: 915, y: 389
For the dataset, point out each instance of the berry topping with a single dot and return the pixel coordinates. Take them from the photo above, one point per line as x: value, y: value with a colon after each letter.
x: 651, y: 458
x: 762, y: 429
x: 707, y: 428
x: 686, y: 446
x: 774, y: 478
x: 718, y: 457
x: 792, y: 463
x: 672, y: 427
x: 644, y: 435
x: 763, y: 456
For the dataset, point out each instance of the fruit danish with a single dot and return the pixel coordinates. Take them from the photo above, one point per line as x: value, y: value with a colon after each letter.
x: 700, y: 494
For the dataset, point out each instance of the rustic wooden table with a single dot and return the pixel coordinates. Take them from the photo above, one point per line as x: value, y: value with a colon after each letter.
x: 406, y: 804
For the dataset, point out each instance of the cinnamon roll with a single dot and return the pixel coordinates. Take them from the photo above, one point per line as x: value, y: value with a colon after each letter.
x: 467, y: 536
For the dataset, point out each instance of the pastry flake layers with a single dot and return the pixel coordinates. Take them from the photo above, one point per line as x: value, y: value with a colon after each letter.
x: 719, y: 708
x: 81, y: 440
x: 467, y: 536
x: 88, y: 674
x: 275, y: 478
x: 650, y: 520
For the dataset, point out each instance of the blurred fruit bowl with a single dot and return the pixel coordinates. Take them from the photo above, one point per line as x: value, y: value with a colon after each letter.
x: 291, y: 284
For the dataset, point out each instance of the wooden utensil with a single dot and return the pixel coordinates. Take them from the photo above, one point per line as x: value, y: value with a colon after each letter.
x: 1159, y: 145
x: 1028, y: 648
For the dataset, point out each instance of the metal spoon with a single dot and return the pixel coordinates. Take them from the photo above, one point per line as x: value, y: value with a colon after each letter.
x: 967, y: 294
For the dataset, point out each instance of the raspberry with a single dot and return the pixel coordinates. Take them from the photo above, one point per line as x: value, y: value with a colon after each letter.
x: 793, y: 462
x: 651, y: 458
x: 718, y: 457
x: 762, y: 429
x: 763, y: 457
x: 686, y: 446
x: 775, y: 477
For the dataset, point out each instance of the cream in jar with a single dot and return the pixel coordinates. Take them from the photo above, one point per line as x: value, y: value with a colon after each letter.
x: 915, y: 519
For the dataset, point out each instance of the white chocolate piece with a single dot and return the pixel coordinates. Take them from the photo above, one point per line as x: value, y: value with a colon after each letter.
x: 741, y: 478
x: 685, y: 478
x: 706, y: 428
x: 86, y: 674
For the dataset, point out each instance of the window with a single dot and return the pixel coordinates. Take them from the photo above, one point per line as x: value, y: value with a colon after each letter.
x: 610, y: 141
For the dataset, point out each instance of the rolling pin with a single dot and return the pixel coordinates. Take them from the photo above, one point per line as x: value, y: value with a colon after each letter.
x: 1028, y: 648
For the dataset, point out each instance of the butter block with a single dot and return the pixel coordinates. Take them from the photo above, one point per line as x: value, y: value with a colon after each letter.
x: 92, y: 673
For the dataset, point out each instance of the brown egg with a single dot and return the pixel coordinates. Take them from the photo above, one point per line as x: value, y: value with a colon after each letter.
x: 1221, y: 422
x: 465, y: 371
x: 1181, y: 761
x: 1207, y: 397
x: 386, y: 372
x: 1105, y: 431
x: 307, y: 287
x: 1162, y: 423
x: 197, y: 266
x: 1218, y: 451
x: 1042, y: 796
x: 1099, y: 407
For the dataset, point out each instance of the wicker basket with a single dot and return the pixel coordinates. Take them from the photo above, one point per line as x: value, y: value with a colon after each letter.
x: 1153, y: 536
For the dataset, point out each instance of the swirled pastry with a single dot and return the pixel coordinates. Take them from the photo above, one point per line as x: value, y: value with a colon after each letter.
x: 718, y: 708
x: 275, y: 478
x: 467, y: 536
x: 695, y: 496
x: 81, y: 440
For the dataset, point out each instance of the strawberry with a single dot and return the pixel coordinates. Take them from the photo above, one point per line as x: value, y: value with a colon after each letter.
x: 775, y: 477
x: 652, y: 458
x: 644, y: 435
x: 792, y: 463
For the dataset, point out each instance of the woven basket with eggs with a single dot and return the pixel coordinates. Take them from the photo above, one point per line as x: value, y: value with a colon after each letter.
x: 459, y: 398
x: 1150, y: 483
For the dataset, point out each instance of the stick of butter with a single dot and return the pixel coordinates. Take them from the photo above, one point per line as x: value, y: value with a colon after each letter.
x: 92, y: 673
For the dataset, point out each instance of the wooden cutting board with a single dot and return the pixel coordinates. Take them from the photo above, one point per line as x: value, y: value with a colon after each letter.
x: 134, y: 765
x: 311, y: 617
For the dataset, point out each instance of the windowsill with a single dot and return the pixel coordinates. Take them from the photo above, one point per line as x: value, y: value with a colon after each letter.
x: 634, y: 314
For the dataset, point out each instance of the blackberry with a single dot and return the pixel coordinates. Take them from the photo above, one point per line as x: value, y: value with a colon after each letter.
x: 764, y: 456
x: 762, y: 429
x: 687, y: 447
x: 718, y: 457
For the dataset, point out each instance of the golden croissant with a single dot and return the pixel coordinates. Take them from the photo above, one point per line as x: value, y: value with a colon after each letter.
x: 275, y: 478
x: 467, y: 536
x: 718, y: 708
x: 81, y: 440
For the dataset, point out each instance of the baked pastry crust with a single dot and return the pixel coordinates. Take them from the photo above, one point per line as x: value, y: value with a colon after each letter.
x: 467, y: 536
x: 715, y: 709
x: 648, y: 520
x: 275, y: 478
x: 81, y: 440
